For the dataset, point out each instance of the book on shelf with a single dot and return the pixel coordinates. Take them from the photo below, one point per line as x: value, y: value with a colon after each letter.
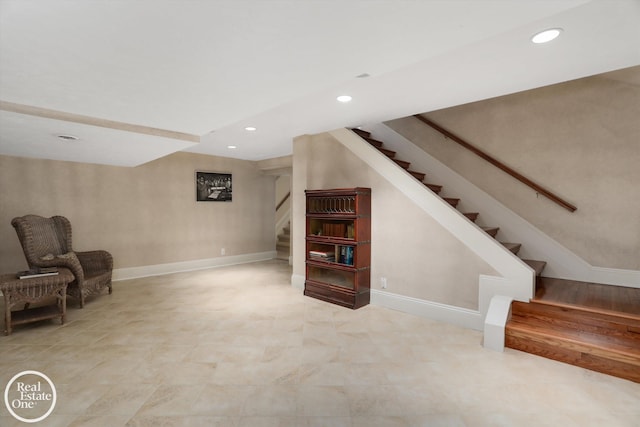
x: 349, y: 257
x: 321, y: 255
x: 333, y: 229
x: 346, y: 255
x: 38, y: 272
x: 350, y: 231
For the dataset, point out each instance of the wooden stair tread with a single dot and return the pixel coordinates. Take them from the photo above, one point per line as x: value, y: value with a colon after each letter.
x: 513, y: 247
x: 577, y: 320
x: 434, y: 187
x: 452, y: 201
x: 491, y: 231
x: 590, y: 325
x: 471, y: 215
x: 595, y: 297
x: 418, y: 175
x: 587, y: 360
x: 402, y: 163
x: 578, y: 315
x: 537, y: 266
x: 374, y: 142
x: 362, y: 133
x: 607, y: 346
x: 389, y: 153
x: 585, y: 325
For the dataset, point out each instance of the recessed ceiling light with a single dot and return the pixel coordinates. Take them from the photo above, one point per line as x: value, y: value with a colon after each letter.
x: 344, y: 98
x: 546, y: 35
x: 231, y: 147
x: 68, y: 137
x: 250, y: 128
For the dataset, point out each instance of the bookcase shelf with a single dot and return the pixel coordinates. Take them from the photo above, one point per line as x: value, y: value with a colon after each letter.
x: 338, y: 246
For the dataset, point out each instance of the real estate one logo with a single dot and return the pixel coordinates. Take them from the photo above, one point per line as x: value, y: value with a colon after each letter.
x: 30, y: 396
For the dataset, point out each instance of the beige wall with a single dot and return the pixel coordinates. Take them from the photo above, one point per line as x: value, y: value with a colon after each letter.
x: 419, y: 258
x: 580, y: 139
x: 145, y: 215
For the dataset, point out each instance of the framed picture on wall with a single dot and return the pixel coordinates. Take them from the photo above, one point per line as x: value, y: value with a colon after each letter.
x: 213, y: 187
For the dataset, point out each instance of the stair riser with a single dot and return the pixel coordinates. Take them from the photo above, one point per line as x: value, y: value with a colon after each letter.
x: 390, y: 154
x: 471, y: 216
x: 418, y: 175
x: 578, y: 318
x: 435, y: 188
x: 402, y: 164
x: 557, y: 324
x: 492, y: 231
x: 577, y: 358
x: 561, y: 345
x: 375, y: 143
x: 452, y: 202
x: 362, y: 133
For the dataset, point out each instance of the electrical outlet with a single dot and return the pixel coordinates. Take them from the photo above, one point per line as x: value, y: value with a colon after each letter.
x: 383, y: 282
x: 223, y: 251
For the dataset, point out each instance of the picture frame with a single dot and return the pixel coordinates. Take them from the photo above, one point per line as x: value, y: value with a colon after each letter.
x: 214, y: 187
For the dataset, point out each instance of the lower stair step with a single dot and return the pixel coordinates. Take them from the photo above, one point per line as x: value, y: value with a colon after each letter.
x: 284, y: 239
x: 590, y: 351
x: 580, y: 318
x: 584, y: 324
x: 602, y: 345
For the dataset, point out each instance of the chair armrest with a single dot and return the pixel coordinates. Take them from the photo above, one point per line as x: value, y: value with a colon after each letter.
x: 95, y: 262
x: 68, y: 260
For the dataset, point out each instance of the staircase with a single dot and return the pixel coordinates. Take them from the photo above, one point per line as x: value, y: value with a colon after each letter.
x: 553, y: 326
x: 283, y: 244
x: 593, y: 326
x: 538, y: 266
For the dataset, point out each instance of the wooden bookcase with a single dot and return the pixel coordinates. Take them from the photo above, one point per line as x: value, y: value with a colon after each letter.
x: 338, y: 246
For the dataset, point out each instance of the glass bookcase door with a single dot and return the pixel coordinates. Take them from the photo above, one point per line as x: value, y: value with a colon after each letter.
x: 340, y: 278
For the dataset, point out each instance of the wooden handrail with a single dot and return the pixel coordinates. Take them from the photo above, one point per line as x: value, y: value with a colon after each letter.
x: 284, y: 199
x: 539, y: 189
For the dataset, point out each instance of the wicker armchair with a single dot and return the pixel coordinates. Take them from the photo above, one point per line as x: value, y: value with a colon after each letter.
x: 46, y: 242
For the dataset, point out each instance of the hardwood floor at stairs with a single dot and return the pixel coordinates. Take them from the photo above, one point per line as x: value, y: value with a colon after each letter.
x: 590, y: 325
x: 592, y: 295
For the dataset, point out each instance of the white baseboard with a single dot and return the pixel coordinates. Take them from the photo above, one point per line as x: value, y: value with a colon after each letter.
x: 615, y: 276
x: 430, y: 310
x: 198, y: 264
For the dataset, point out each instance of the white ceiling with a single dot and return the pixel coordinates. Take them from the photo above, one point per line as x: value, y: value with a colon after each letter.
x: 210, y: 68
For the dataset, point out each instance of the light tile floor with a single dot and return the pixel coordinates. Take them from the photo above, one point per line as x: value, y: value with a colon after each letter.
x: 238, y: 346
